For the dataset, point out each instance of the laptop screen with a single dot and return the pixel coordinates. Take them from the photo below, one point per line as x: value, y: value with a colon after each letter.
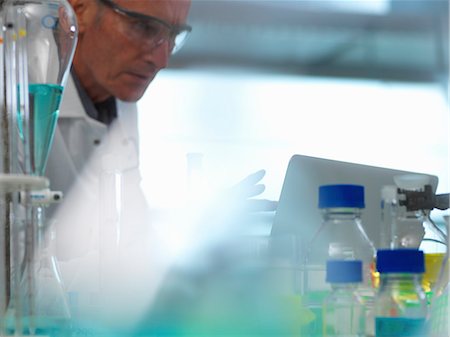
x: 298, y: 213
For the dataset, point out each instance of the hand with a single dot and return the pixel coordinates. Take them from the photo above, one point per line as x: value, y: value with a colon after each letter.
x: 248, y: 188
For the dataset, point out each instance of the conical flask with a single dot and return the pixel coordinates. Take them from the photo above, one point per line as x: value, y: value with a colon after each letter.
x: 52, y: 314
x: 42, y: 301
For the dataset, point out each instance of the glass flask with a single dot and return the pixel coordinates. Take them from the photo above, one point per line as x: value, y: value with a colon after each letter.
x: 52, y: 314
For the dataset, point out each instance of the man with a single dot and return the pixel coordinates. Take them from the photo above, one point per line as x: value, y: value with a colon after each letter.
x: 122, y: 45
x: 113, y: 257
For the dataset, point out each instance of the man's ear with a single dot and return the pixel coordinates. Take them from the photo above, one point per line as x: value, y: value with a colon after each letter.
x: 83, y: 10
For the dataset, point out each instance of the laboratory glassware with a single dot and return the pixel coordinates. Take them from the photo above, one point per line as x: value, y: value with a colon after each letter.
x: 389, y: 211
x: 340, y: 237
x: 415, y: 228
x: 343, y: 309
x: 39, y: 42
x: 400, y: 303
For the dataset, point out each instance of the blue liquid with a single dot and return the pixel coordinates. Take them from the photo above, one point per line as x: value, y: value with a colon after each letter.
x: 400, y: 327
x: 44, y: 100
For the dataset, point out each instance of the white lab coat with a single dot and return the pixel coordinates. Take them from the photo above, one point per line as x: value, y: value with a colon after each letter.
x: 78, y: 136
x: 85, y: 154
x: 103, y: 230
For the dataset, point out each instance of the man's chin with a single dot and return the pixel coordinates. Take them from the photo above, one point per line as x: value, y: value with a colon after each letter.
x: 131, y: 95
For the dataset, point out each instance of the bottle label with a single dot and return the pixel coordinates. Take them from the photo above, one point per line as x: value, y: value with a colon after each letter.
x: 399, y: 327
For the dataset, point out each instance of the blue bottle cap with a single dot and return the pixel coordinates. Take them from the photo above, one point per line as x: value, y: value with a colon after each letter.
x: 410, y: 261
x: 344, y: 271
x: 341, y: 196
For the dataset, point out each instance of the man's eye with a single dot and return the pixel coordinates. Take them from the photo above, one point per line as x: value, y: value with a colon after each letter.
x: 147, y: 28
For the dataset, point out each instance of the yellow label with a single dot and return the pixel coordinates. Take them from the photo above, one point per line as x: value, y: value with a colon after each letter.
x: 433, y: 266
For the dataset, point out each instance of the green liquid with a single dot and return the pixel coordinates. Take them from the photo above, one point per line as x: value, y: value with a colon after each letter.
x: 314, y: 303
x: 44, y: 100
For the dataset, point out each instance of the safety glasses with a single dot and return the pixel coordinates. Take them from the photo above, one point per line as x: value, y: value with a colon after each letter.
x: 145, y: 28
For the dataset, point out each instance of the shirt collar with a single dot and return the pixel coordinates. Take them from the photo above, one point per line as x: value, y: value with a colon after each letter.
x: 104, y: 112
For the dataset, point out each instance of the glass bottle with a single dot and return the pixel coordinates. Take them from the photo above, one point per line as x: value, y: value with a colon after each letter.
x: 343, y: 309
x: 415, y: 229
x: 400, y: 304
x: 340, y: 237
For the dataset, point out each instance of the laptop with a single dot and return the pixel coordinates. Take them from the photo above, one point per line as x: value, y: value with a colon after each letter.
x: 298, y: 213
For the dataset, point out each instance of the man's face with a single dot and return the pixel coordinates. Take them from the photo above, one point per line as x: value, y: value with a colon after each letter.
x: 111, y: 60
